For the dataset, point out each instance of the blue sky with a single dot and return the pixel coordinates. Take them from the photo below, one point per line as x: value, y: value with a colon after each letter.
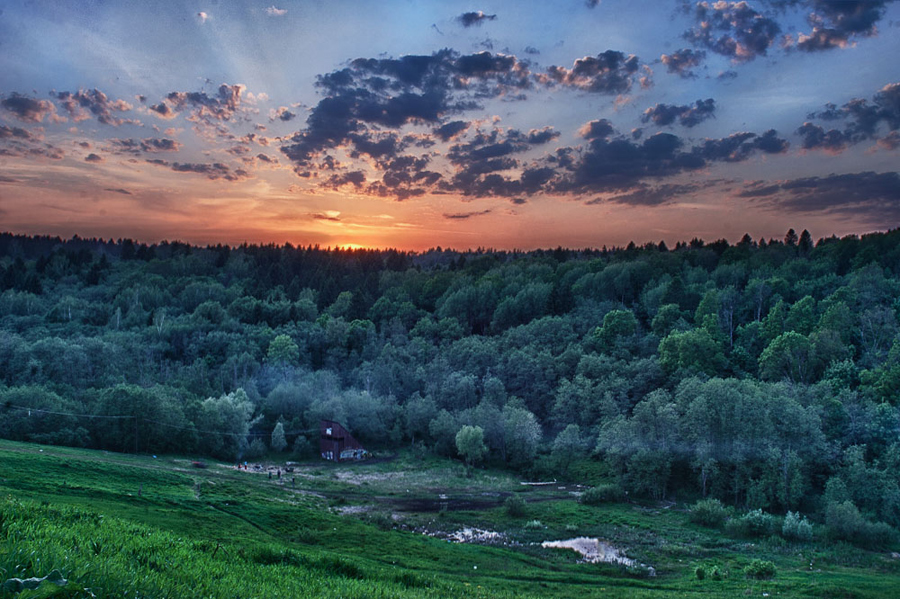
x: 415, y: 124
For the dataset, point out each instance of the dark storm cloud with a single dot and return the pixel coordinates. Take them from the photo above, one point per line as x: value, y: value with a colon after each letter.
x: 93, y: 158
x: 118, y: 190
x: 81, y: 104
x: 29, y: 110
x: 862, y: 120
x: 817, y: 138
x: 624, y: 165
x: 732, y: 29
x: 212, y: 171
x: 465, y: 215
x: 683, y: 62
x: 218, y: 107
x: 451, y: 130
x: 611, y: 72
x: 378, y: 93
x: 836, y: 22
x: 688, y: 116
x: 470, y: 19
x: 870, y: 195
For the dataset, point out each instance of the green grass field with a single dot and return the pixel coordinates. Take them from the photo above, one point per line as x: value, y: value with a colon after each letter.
x: 100, y: 524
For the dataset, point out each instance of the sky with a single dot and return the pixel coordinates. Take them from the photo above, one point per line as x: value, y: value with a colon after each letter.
x: 406, y: 124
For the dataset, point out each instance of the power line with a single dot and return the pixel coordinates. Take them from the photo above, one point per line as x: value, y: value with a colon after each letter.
x: 43, y: 411
x: 166, y: 424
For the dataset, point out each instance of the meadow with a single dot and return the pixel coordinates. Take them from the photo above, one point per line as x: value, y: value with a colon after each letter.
x: 103, y: 524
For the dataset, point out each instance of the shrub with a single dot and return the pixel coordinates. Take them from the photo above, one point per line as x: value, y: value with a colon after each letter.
x: 845, y: 523
x: 533, y: 525
x: 515, y: 506
x: 756, y: 523
x: 709, y: 512
x: 796, y: 527
x: 608, y: 493
x: 761, y: 569
x: 699, y: 572
x: 256, y: 450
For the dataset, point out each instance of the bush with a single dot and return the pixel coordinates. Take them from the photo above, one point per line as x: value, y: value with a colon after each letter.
x: 533, y: 525
x: 760, y: 569
x: 256, y: 450
x: 796, y: 527
x: 845, y: 523
x: 709, y: 512
x: 755, y: 523
x: 515, y: 506
x: 699, y: 572
x: 609, y: 493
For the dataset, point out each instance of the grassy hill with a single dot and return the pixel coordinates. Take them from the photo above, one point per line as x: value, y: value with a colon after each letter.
x: 100, y: 524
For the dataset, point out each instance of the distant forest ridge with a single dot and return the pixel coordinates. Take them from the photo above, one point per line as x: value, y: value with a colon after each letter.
x: 762, y: 373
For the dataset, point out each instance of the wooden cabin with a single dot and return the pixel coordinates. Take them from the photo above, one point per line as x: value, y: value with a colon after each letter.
x: 337, y: 444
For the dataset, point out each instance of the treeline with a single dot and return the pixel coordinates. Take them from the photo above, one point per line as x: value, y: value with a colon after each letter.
x: 763, y: 373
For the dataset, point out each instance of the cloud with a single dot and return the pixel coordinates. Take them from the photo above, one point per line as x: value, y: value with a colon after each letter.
x: 891, y: 141
x: 355, y: 178
x: 150, y: 144
x: 16, y: 133
x: 203, y: 17
x: 611, y: 72
x: 465, y: 215
x: 836, y: 22
x: 732, y: 29
x: 869, y: 195
x: 646, y: 195
x: 450, y: 130
x: 212, y: 171
x: 531, y: 50
x: 160, y: 145
x: 81, y: 104
x: 272, y: 11
x: 29, y: 110
x: 93, y: 158
x: 218, y: 107
x: 597, y: 129
x: 682, y: 62
x: 817, y: 138
x: 329, y: 215
x: 618, y: 164
x: 282, y: 114
x: 470, y: 19
x: 389, y: 93
x: 8, y: 180
x: 118, y: 190
x: 862, y: 120
x: 690, y: 115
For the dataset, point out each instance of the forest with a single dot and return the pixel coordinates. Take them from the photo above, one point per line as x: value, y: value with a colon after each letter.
x: 763, y: 375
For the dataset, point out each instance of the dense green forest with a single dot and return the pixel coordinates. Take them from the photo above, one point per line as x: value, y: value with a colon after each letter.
x: 765, y: 374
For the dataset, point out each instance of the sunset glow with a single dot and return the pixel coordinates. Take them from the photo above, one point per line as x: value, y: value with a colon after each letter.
x: 413, y: 125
